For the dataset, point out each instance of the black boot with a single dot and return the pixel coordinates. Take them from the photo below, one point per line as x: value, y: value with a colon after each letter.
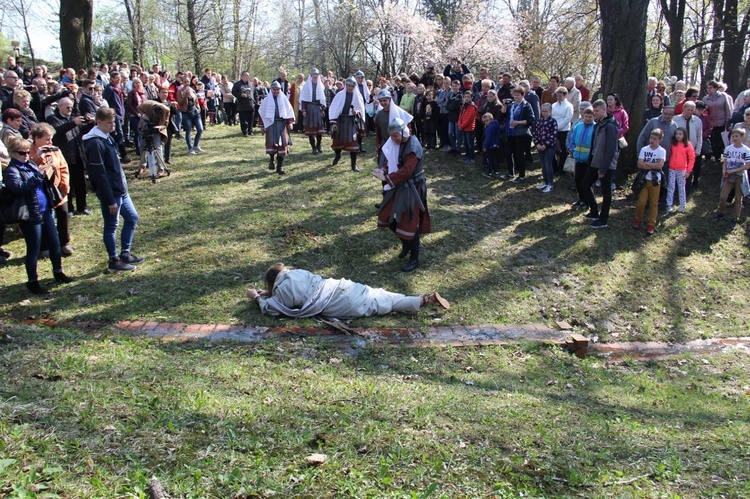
x: 35, y: 288
x: 312, y: 144
x: 317, y: 143
x: 279, y: 165
x: 404, y: 248
x: 337, y: 158
x: 353, y: 156
x: 270, y: 163
x: 413, y: 262
x: 359, y: 141
x: 61, y: 277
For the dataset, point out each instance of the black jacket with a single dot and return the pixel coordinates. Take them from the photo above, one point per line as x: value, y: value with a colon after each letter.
x: 24, y: 183
x: 67, y: 135
x: 104, y: 168
x: 245, y: 102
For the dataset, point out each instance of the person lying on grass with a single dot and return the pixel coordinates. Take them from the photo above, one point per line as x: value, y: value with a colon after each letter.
x: 299, y: 293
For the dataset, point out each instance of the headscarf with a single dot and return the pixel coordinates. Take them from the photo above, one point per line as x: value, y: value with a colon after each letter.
x: 337, y: 105
x: 267, y: 109
x: 305, y: 94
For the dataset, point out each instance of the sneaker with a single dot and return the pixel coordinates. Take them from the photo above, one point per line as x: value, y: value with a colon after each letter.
x: 598, y: 224
x: 548, y: 188
x: 507, y: 176
x: 486, y: 174
x: 518, y: 180
x: 84, y: 211
x: 670, y: 209
x: 199, y: 148
x: 718, y: 216
x: 637, y: 224
x: 650, y: 229
x: 591, y: 216
x: 192, y: 151
x: 128, y: 257
x: 117, y: 265
x: 681, y: 209
x: 66, y: 250
x: 541, y: 187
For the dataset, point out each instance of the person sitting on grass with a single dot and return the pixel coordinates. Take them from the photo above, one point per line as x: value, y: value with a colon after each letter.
x: 300, y: 293
x: 736, y: 159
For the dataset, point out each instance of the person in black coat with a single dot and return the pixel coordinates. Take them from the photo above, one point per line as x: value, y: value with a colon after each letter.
x: 23, y: 178
x: 245, y: 93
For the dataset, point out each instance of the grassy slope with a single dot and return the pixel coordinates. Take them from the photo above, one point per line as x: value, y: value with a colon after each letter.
x: 97, y: 415
x: 501, y: 253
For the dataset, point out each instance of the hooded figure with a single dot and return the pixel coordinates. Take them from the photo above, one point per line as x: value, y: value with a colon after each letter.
x: 347, y: 121
x: 386, y: 114
x: 313, y: 100
x: 276, y: 119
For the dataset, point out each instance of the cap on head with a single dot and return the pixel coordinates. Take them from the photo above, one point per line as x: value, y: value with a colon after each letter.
x: 314, y: 71
x: 396, y: 125
x: 359, y: 74
x: 384, y: 94
x: 275, y: 84
x: 351, y: 81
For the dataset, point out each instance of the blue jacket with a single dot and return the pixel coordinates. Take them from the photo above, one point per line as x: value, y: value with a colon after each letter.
x: 115, y: 101
x: 524, y: 113
x: 104, y: 167
x: 24, y: 180
x: 580, y: 141
x: 492, y: 135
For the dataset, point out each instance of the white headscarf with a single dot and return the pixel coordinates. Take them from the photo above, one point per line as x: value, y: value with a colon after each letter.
x: 396, y: 112
x: 305, y: 95
x: 267, y: 109
x: 337, y: 105
x: 367, y: 89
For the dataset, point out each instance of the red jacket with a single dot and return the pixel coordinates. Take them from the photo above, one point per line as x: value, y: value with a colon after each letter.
x: 467, y: 118
x: 682, y: 157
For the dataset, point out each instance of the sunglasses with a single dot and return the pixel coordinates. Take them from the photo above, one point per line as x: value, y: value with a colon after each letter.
x: 24, y: 153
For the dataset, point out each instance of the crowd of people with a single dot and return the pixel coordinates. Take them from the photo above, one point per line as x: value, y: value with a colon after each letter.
x: 84, y: 123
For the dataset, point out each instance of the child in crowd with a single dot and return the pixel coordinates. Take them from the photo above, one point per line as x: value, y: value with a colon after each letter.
x: 580, y: 141
x: 407, y: 101
x: 681, y: 162
x: 201, y: 102
x: 431, y: 111
x: 455, y: 99
x: 491, y: 144
x: 211, y: 105
x: 419, y: 104
x: 651, y: 160
x: 736, y: 161
x: 544, y: 133
x: 466, y: 123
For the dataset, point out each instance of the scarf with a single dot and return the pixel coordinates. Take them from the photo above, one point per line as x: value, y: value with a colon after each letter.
x: 267, y: 109
x: 306, y: 95
x: 337, y: 105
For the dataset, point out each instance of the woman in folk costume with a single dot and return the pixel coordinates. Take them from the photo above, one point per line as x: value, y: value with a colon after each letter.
x: 276, y: 119
x: 295, y: 89
x: 300, y: 293
x: 347, y: 119
x: 404, y: 205
x: 313, y: 101
x: 364, y: 90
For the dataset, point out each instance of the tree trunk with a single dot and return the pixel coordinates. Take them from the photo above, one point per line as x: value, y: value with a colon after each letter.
x: 713, y: 54
x: 193, y: 33
x: 624, y: 69
x: 137, y: 36
x: 734, y: 36
x: 236, y: 40
x: 674, y: 14
x: 75, y: 33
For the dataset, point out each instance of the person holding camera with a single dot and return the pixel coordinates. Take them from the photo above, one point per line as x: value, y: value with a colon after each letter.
x: 68, y: 130
x: 51, y: 160
x: 456, y: 70
x: 23, y: 177
x: 154, y: 119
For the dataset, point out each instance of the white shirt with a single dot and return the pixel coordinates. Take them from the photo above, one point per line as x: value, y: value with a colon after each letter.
x: 562, y: 112
x: 652, y: 156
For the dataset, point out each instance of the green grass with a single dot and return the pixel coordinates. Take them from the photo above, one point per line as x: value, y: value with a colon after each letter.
x: 96, y: 415
x: 501, y: 253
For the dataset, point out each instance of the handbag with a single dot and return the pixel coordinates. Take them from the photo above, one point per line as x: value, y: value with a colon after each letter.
x: 13, y: 209
x: 570, y: 166
x: 622, y: 143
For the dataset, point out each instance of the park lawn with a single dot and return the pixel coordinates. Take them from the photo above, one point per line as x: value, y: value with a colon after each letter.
x: 501, y: 253
x: 99, y: 414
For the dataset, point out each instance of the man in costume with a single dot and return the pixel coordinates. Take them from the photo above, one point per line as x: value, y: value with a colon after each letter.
x: 366, y: 93
x: 404, y: 206
x: 387, y: 113
x: 313, y: 101
x: 346, y: 118
x: 276, y: 119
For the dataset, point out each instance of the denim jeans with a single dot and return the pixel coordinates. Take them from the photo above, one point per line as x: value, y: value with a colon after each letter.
x: 134, y: 121
x: 469, y: 144
x: 33, y: 232
x: 548, y: 164
x: 178, y: 119
x: 188, y: 122
x: 454, y: 135
x: 130, y: 217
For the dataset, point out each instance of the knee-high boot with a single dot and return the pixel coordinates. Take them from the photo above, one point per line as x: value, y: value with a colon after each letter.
x: 353, y: 156
x: 280, y: 165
